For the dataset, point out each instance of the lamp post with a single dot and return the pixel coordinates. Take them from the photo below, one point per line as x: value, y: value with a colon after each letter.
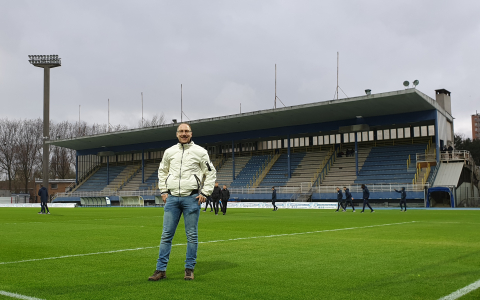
x: 46, y: 62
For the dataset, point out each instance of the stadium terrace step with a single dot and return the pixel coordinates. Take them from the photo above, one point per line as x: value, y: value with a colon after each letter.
x: 224, y: 174
x: 278, y: 175
x: 98, y: 181
x: 245, y: 176
x: 306, y: 168
x: 343, y: 169
x: 388, y: 164
x: 150, y: 176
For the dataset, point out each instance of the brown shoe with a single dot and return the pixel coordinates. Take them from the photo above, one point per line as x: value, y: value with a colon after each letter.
x: 157, y: 275
x: 188, y: 274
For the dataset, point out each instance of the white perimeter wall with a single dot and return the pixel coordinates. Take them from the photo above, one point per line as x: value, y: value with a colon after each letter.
x: 464, y: 191
x: 5, y: 200
x: 445, y: 129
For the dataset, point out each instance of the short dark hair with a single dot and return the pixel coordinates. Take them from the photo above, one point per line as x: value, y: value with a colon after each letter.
x: 363, y: 186
x: 273, y: 187
x: 344, y: 187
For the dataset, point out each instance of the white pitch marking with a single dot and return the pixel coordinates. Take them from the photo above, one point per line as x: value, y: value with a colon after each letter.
x: 463, y: 291
x: 18, y: 296
x: 206, y: 242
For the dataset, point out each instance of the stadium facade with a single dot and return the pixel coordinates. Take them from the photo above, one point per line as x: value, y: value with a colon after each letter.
x: 394, y: 140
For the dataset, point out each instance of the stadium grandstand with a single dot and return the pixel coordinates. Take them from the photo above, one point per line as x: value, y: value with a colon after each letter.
x: 387, y: 141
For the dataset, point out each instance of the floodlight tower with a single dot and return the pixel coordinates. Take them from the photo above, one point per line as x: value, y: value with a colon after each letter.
x: 46, y: 62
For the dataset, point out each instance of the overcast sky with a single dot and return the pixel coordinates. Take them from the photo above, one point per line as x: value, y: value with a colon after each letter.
x: 224, y: 53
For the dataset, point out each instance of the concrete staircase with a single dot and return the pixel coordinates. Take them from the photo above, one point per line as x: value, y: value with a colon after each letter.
x: 224, y: 175
x: 136, y: 181
x: 117, y: 181
x: 342, y: 172
x: 308, y: 166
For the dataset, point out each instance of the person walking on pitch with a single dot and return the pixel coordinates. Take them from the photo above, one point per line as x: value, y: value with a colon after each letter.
x: 43, y: 193
x: 274, y: 198
x: 179, y: 176
x: 403, y: 199
x: 366, y: 195
x: 225, y: 197
x: 348, y: 198
x: 216, y: 197
x: 340, y: 200
x: 209, y: 202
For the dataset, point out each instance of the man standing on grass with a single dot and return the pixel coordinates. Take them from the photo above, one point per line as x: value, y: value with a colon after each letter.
x: 179, y: 176
x: 366, y: 195
x: 348, y: 198
x: 216, y: 197
x: 274, y: 198
x: 209, y: 202
x: 43, y: 193
x: 225, y: 197
x: 403, y: 198
x: 340, y: 200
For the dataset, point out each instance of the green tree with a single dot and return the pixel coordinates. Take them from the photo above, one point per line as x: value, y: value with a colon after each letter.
x: 463, y: 143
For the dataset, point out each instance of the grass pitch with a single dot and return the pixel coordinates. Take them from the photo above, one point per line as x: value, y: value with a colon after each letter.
x: 246, y: 254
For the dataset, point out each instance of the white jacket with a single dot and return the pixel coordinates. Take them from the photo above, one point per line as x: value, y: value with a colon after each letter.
x: 182, y: 169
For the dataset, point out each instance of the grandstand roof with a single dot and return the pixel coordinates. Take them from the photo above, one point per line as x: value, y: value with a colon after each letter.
x: 397, y: 102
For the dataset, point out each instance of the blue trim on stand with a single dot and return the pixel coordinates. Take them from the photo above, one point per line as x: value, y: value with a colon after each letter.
x: 313, y: 129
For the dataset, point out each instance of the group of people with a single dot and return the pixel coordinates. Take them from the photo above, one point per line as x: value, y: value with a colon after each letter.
x: 448, y: 149
x: 349, y: 152
x: 366, y: 196
x: 349, y: 199
x: 218, y: 197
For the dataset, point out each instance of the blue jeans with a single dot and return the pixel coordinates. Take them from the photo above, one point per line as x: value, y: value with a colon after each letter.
x: 174, y: 208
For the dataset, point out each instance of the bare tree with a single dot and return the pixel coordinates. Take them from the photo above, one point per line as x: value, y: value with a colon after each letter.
x: 28, y: 150
x: 8, y: 142
x: 62, y: 160
x: 155, y: 121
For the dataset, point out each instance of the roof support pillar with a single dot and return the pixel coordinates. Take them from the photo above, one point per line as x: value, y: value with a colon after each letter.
x: 108, y: 170
x: 289, y: 174
x: 233, y: 161
x: 356, y: 155
x: 437, y: 142
x: 143, y: 165
x: 76, y: 169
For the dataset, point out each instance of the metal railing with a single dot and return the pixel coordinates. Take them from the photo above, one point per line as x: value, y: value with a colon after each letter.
x: 303, y: 188
x: 323, y: 171
x: 357, y: 188
x: 263, y: 172
x: 457, y: 155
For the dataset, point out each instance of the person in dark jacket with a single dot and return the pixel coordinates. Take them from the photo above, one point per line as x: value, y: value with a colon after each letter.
x: 216, y: 196
x: 225, y: 197
x: 340, y: 200
x: 348, y: 198
x: 43, y: 193
x: 366, y: 195
x: 450, y: 151
x: 403, y: 198
x: 274, y: 198
x: 209, y: 202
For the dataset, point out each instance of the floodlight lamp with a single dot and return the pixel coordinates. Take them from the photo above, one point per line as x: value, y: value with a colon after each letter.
x: 416, y: 82
x: 368, y: 91
x: 174, y: 121
x: 45, y: 61
x: 406, y: 83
